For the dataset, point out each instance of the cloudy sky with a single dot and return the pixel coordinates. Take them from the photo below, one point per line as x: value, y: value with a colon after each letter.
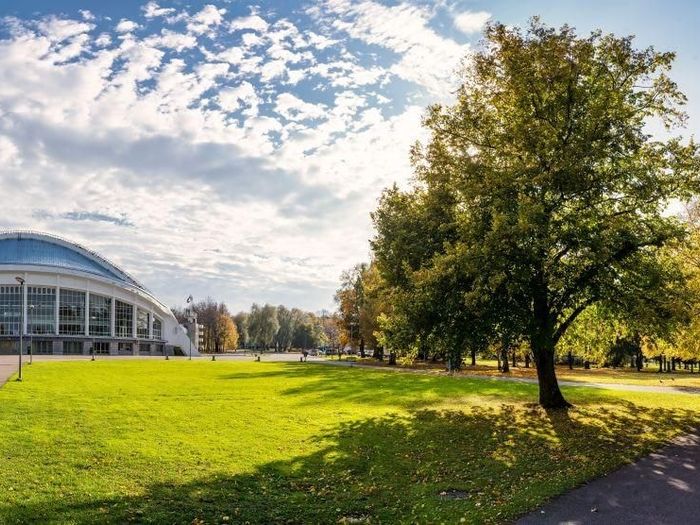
x: 233, y: 149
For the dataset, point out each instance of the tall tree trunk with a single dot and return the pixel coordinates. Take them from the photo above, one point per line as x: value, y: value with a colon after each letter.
x: 473, y: 356
x: 515, y: 359
x: 550, y: 394
x: 571, y: 360
x: 504, y: 359
x: 527, y: 359
x: 362, y: 347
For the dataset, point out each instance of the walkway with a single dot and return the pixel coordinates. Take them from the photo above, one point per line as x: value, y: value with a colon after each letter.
x: 660, y: 489
x: 607, y: 386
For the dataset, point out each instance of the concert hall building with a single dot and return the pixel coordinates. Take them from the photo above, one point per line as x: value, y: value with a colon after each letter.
x: 68, y: 299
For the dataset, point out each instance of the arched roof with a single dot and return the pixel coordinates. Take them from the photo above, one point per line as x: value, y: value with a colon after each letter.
x: 40, y: 249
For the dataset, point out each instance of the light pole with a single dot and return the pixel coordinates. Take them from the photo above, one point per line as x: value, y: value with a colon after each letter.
x: 192, y: 321
x: 21, y: 324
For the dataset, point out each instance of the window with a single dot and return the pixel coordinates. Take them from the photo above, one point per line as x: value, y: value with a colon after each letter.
x: 42, y: 347
x: 72, y: 347
x: 10, y: 310
x: 158, y: 349
x: 157, y: 328
x: 126, y: 349
x: 142, y: 323
x: 41, y: 310
x: 71, y: 313
x: 145, y: 349
x: 100, y: 315
x: 124, y: 320
x: 100, y: 347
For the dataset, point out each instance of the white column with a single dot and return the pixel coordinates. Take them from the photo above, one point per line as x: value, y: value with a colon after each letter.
x: 87, y: 313
x: 133, y: 319
x: 112, y: 331
x: 150, y: 325
x: 55, y: 311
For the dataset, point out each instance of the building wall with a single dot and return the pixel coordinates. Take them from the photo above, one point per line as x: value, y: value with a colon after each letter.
x: 172, y: 333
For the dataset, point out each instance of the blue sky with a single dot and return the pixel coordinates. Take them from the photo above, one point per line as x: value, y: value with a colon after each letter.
x: 235, y: 150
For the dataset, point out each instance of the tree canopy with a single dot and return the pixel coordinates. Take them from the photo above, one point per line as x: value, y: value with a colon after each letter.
x: 540, y: 192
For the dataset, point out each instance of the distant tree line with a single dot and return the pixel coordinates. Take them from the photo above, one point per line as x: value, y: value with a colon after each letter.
x: 263, y: 327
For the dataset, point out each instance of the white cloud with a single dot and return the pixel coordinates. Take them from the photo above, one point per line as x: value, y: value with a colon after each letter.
x: 295, y: 109
x: 202, y: 21
x: 426, y: 57
x: 232, y: 99
x: 253, y: 22
x: 471, y: 21
x: 153, y: 10
x: 254, y: 146
x: 58, y: 29
x: 126, y: 26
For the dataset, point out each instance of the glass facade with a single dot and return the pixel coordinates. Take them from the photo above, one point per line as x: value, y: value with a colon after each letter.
x: 72, y: 347
x: 145, y: 349
x: 42, y: 347
x: 157, y: 328
x: 71, y: 312
x: 124, y: 319
x: 100, y: 315
x: 101, y: 347
x: 41, y: 310
x: 142, y: 323
x: 10, y: 310
x: 126, y: 349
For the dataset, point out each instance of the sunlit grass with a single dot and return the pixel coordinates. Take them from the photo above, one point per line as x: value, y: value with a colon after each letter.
x: 172, y: 442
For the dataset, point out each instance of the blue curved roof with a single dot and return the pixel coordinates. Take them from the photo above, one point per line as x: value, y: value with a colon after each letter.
x: 21, y: 250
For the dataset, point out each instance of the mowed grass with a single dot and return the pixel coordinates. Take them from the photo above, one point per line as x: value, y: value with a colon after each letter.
x: 648, y: 376
x: 223, y: 442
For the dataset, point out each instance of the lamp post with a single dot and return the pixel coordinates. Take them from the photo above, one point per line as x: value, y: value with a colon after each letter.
x: 21, y: 324
x: 191, y: 319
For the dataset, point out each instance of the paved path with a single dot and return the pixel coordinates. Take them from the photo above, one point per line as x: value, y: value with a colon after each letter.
x: 607, y: 386
x: 660, y: 489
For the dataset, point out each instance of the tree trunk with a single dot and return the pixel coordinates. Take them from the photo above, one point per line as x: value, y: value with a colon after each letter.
x: 661, y: 364
x: 639, y: 361
x: 362, y: 347
x: 527, y: 359
x: 473, y: 356
x: 504, y: 359
x: 550, y: 394
x: 571, y: 360
x: 515, y: 361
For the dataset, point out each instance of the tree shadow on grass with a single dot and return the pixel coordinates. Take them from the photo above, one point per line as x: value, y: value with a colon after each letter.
x: 401, y: 389
x: 488, y: 464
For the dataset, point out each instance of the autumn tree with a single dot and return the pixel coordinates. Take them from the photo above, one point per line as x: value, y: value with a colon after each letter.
x: 543, y: 181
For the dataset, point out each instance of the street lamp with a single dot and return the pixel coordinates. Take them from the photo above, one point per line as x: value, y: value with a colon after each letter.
x: 21, y: 324
x: 191, y: 319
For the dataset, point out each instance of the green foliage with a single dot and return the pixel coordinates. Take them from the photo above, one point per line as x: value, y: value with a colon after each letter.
x: 539, y: 194
x: 263, y: 325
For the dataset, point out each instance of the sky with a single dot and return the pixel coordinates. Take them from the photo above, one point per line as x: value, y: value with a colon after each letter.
x: 235, y: 150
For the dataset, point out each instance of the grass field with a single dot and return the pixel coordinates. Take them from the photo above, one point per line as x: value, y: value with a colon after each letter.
x: 223, y: 442
x: 623, y: 376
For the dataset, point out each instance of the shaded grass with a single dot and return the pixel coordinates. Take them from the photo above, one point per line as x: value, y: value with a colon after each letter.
x: 623, y: 376
x: 177, y: 441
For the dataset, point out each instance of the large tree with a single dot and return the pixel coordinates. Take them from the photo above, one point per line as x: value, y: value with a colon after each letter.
x: 543, y: 180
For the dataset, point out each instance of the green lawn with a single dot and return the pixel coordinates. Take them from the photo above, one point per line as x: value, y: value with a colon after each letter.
x: 216, y: 442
